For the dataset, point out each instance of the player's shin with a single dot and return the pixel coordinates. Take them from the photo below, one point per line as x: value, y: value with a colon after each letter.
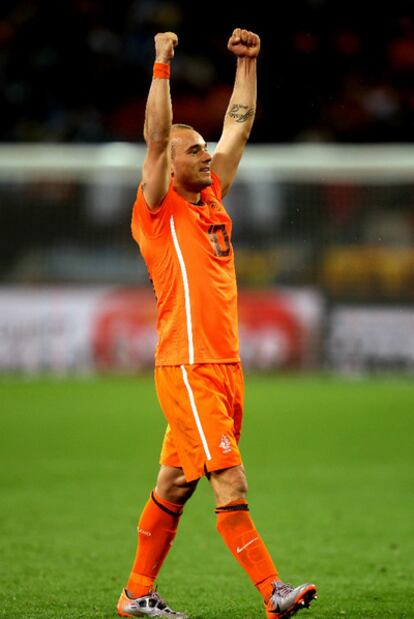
x: 244, y: 542
x: 157, y: 528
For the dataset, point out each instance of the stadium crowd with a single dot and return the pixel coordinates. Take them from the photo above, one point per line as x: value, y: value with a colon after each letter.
x: 78, y: 70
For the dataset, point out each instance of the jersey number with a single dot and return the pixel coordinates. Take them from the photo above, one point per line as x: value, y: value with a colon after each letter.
x: 219, y: 239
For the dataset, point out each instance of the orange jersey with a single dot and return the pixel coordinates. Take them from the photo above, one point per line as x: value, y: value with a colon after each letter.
x: 188, y: 252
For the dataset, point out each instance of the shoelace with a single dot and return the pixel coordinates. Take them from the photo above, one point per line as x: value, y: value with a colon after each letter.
x: 283, y: 588
x: 161, y: 604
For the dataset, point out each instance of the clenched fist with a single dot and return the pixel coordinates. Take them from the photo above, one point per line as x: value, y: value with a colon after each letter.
x: 164, y: 46
x: 244, y: 44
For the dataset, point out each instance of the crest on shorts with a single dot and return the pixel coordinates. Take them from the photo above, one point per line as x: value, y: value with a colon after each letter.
x: 225, y: 444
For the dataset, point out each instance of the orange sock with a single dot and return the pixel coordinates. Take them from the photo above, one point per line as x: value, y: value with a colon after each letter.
x: 157, y: 528
x: 242, y: 539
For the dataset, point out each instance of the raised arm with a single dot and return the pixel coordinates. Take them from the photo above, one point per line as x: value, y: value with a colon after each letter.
x: 156, y: 171
x: 240, y: 114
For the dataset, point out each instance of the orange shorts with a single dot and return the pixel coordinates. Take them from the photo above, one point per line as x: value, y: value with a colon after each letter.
x: 203, y: 404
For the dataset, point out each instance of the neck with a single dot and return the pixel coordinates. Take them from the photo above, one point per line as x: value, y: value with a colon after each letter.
x: 190, y: 196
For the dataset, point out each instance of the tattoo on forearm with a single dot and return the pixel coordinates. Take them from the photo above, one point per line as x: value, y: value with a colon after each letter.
x: 240, y: 112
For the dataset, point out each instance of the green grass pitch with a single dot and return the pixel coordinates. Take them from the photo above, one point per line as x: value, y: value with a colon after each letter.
x: 330, y: 466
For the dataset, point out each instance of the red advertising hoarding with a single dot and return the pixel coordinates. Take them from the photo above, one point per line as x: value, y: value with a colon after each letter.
x: 113, y: 330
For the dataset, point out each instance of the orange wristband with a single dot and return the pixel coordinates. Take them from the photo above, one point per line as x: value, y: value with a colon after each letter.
x: 161, y: 70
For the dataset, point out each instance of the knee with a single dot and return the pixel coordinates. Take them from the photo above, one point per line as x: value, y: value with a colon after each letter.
x: 172, y: 486
x: 176, y: 493
x: 229, y: 485
x: 239, y: 484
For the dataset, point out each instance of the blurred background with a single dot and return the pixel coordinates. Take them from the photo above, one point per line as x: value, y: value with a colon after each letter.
x: 323, y: 206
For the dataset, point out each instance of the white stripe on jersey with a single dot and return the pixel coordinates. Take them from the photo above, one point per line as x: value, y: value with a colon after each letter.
x: 186, y: 293
x: 195, y: 413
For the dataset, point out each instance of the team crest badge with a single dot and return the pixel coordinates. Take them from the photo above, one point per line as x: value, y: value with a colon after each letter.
x: 225, y: 444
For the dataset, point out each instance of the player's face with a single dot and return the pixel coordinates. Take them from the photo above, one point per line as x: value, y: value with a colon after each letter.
x: 191, y: 161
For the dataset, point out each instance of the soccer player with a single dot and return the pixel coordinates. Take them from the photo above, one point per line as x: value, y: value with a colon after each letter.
x: 184, y: 234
